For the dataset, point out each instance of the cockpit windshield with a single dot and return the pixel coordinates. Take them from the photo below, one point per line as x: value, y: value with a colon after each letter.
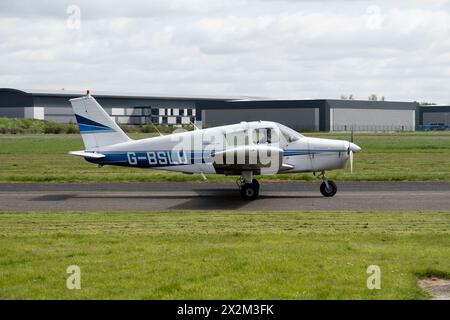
x: 290, y: 134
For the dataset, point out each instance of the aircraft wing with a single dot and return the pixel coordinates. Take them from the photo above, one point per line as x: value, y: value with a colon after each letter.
x: 93, y: 155
x: 261, y: 159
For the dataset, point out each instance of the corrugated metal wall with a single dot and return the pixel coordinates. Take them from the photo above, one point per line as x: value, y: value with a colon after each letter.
x: 301, y: 119
x: 342, y: 119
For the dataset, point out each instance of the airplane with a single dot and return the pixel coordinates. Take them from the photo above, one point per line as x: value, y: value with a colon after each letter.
x: 246, y: 149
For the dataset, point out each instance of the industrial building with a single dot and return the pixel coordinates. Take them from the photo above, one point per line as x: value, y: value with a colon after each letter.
x: 314, y: 115
x: 133, y: 109
x: 435, y: 114
x: 302, y: 115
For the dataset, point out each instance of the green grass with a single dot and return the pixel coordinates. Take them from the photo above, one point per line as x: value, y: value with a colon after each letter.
x: 385, y: 156
x: 226, y: 255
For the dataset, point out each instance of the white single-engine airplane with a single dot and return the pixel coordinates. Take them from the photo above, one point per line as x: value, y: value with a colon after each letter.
x: 246, y: 149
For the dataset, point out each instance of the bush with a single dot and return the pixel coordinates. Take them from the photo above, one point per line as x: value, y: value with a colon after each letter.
x: 72, y: 128
x: 32, y: 126
x: 4, y: 130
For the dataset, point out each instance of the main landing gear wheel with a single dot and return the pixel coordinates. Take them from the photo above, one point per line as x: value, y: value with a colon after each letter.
x: 250, y: 191
x: 256, y: 183
x: 328, y: 191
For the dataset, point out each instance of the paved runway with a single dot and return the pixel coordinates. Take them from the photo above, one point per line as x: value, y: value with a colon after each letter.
x: 223, y: 196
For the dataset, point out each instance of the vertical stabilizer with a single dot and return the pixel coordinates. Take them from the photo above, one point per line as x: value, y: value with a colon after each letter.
x: 97, y: 128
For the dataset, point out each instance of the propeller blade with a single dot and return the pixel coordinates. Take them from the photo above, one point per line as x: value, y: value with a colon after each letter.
x: 351, y: 161
x: 350, y: 152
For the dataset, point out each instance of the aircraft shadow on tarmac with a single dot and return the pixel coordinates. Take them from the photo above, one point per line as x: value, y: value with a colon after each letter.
x: 204, y: 199
x: 55, y: 197
x: 228, y: 203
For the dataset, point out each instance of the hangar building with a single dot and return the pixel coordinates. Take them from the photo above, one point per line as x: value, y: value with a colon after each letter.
x: 302, y: 115
x: 314, y: 115
x: 124, y: 108
x: 434, y: 114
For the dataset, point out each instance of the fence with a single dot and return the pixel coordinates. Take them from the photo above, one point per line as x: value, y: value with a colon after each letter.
x: 373, y: 128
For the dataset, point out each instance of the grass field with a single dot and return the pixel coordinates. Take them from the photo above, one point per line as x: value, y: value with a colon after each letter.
x: 226, y: 255
x: 389, y: 156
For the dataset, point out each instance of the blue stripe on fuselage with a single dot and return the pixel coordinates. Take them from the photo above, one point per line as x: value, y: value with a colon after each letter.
x: 164, y: 158
x: 149, y: 159
x: 302, y: 152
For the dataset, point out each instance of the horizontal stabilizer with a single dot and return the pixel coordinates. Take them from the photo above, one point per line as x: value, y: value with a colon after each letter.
x: 93, y: 155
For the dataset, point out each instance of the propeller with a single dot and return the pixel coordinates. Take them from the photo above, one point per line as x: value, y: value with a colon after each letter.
x: 350, y: 151
x: 351, y: 160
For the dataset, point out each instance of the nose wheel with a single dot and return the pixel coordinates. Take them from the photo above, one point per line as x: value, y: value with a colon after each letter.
x: 328, y: 188
x: 328, y: 191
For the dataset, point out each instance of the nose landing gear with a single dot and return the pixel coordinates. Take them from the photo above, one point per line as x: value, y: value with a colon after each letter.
x: 328, y: 188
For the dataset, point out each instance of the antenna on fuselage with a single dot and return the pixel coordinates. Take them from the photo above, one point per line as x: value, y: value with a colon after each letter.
x: 160, y: 134
x: 195, y: 127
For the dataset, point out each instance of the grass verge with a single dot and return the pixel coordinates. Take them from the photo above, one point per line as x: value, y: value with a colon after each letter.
x: 221, y: 255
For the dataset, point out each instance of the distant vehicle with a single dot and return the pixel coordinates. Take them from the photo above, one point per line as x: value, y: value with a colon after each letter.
x: 246, y: 149
x: 438, y: 126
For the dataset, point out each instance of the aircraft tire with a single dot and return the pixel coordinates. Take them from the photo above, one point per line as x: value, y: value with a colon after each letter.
x: 249, y: 191
x: 328, y: 192
x: 256, y: 183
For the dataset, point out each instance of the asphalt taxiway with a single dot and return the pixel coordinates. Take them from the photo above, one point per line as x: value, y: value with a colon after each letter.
x: 384, y: 196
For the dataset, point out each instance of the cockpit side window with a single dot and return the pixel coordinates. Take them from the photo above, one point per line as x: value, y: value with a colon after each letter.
x: 289, y: 134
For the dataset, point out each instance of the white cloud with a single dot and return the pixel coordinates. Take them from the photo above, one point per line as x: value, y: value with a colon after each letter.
x: 282, y: 49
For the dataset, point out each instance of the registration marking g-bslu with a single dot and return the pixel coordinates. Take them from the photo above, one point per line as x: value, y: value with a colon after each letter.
x: 155, y: 158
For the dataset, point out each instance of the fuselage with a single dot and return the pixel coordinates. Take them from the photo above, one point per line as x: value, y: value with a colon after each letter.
x: 195, y: 151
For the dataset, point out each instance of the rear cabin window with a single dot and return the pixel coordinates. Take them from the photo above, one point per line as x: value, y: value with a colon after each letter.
x: 239, y: 138
x: 265, y: 136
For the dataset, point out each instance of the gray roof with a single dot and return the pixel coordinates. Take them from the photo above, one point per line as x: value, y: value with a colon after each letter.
x: 127, y: 95
x: 435, y: 108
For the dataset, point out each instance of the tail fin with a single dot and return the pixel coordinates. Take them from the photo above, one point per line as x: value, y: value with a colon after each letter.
x: 97, y: 128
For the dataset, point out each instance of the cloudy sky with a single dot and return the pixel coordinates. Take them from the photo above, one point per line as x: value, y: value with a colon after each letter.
x: 268, y: 48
